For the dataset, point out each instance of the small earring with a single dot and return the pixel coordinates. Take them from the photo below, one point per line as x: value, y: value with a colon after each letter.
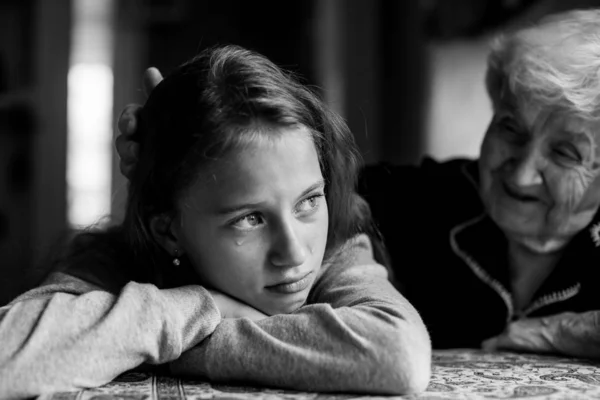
x: 176, y: 261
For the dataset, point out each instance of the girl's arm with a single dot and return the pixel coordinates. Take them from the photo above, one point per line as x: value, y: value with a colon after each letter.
x: 70, y: 334
x: 358, y: 335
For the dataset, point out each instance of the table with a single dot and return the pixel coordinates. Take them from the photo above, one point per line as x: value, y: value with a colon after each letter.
x: 457, y: 374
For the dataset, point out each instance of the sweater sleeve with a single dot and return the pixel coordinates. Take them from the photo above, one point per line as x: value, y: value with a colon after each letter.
x: 357, y: 334
x: 69, y: 334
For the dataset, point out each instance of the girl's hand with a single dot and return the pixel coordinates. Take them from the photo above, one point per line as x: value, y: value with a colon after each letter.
x: 232, y: 308
x: 127, y: 148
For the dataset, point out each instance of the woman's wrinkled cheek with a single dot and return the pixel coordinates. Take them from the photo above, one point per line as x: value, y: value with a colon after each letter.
x: 495, y: 150
x: 488, y: 143
x: 501, y: 154
x: 490, y: 159
x: 569, y: 187
x: 590, y: 198
x: 576, y: 199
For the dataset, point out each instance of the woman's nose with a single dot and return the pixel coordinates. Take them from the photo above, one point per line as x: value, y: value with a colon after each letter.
x: 527, y: 168
x: 287, y: 248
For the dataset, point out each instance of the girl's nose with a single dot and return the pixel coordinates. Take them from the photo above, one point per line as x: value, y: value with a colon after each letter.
x: 287, y: 249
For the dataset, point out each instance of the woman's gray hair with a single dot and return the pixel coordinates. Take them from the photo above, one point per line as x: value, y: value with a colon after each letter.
x: 553, y: 64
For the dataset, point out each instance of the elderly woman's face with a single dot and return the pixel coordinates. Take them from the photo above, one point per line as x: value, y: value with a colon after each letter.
x: 539, y: 175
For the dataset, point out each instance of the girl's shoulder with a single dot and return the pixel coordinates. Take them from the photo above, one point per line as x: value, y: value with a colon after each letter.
x: 99, y: 257
x: 58, y: 282
x: 356, y: 256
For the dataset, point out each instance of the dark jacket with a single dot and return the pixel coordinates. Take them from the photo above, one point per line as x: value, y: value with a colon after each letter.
x: 450, y: 259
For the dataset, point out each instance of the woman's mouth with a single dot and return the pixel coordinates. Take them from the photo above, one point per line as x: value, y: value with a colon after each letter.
x: 292, y: 285
x: 518, y: 195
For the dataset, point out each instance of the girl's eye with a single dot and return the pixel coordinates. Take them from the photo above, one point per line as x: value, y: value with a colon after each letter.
x: 309, y: 204
x: 247, y: 222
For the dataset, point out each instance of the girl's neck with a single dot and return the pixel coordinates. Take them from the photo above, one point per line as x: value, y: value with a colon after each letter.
x: 527, y: 271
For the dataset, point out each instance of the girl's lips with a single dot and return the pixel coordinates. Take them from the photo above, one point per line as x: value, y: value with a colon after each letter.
x: 293, y: 286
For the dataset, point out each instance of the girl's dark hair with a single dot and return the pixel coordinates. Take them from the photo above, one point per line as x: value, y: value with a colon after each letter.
x: 209, y: 106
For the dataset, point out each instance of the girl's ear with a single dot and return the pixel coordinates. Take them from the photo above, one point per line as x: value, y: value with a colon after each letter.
x: 164, y: 234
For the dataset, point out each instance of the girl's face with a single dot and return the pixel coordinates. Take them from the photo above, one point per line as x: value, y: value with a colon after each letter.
x: 540, y: 176
x: 254, y: 226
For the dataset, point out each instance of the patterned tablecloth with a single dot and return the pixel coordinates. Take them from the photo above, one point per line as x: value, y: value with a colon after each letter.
x: 457, y: 374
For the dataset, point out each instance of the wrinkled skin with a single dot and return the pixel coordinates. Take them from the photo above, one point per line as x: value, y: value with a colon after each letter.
x: 574, y: 334
x: 539, y: 175
x: 539, y: 172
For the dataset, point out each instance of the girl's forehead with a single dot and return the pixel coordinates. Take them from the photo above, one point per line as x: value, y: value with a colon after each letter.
x: 260, y: 133
x: 261, y: 150
x: 274, y: 171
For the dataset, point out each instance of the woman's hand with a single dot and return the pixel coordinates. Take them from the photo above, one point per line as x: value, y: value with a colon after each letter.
x: 232, y: 308
x: 527, y: 335
x: 573, y: 334
x: 127, y: 148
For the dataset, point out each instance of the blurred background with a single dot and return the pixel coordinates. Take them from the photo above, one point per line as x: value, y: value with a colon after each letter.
x: 407, y: 75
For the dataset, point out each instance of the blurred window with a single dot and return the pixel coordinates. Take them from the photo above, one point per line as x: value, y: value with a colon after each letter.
x: 90, y: 105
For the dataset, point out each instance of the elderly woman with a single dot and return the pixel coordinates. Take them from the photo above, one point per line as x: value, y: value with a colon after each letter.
x: 502, y: 252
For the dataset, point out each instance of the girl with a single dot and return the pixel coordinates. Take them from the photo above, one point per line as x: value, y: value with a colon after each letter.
x: 242, y: 256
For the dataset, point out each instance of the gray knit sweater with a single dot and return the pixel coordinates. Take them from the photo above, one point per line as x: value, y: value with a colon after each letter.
x: 355, y: 334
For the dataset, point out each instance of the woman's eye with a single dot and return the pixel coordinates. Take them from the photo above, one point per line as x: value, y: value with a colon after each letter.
x: 248, y: 221
x: 309, y: 204
x: 512, y: 130
x: 508, y: 125
x: 568, y: 153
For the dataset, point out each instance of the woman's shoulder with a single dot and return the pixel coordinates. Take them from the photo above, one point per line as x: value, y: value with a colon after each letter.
x: 429, y: 172
x: 428, y: 187
x: 428, y: 167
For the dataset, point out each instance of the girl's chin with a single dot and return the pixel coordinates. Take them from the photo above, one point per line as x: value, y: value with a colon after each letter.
x: 282, y: 309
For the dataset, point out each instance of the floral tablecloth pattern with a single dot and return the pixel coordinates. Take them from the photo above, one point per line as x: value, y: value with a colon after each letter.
x: 457, y: 374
